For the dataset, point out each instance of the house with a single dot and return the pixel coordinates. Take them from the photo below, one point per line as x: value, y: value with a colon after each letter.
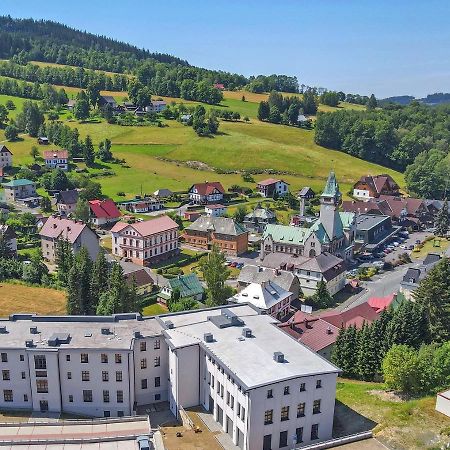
x: 305, y: 195
x: 156, y: 106
x: 77, y: 233
x: 142, y: 279
x: 129, y: 106
x: 207, y: 192
x: 187, y: 286
x: 143, y: 204
x: 71, y: 104
x: 20, y: 189
x: 271, y: 187
x: 192, y: 216
x: 43, y: 140
x: 378, y: 304
x: 56, y: 159
x: 232, y: 361
x: 372, y: 231
x: 373, y: 186
x: 229, y: 236
x: 163, y: 193
x: 66, y: 201
x: 185, y: 118
x: 257, y: 220
x: 5, y: 156
x: 9, y: 236
x: 433, y: 207
x: 146, y: 242
x: 107, y: 100
x: 302, y: 119
x: 215, y: 210
x: 103, y: 212
x: 443, y: 402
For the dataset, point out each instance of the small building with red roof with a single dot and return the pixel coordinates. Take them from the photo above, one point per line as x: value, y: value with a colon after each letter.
x: 272, y: 186
x: 56, y: 159
x: 103, y: 212
x: 207, y: 192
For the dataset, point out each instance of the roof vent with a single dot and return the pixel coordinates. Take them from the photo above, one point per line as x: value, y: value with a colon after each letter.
x: 208, y: 337
x: 33, y: 330
x: 169, y: 324
x: 247, y: 332
x: 137, y: 334
x: 29, y: 343
x: 329, y: 330
x: 106, y: 331
x: 3, y: 330
x: 278, y: 357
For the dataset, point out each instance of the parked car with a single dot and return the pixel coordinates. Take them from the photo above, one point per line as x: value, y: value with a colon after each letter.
x: 411, y: 247
x: 233, y: 264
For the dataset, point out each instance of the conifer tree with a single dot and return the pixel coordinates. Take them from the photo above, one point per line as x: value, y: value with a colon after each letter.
x: 99, y: 280
x: 78, y: 284
x: 88, y: 151
x: 379, y: 336
x: 322, y: 298
x: 113, y: 300
x: 345, y: 351
x: 442, y: 220
x: 367, y: 361
x: 64, y: 260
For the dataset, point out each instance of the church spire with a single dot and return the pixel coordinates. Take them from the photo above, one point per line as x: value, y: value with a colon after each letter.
x: 332, y: 187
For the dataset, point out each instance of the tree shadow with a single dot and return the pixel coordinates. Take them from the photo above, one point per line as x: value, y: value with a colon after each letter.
x: 348, y: 421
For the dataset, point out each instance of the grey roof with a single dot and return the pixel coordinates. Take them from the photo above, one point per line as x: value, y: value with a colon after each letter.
x: 369, y: 221
x: 68, y: 197
x: 411, y: 276
x: 436, y: 204
x: 257, y: 274
x: 431, y: 258
x: 260, y: 213
x: 262, y: 295
x: 306, y: 191
x: 220, y: 225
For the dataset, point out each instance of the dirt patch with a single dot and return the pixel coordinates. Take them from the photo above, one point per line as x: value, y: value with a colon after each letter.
x: 390, y: 396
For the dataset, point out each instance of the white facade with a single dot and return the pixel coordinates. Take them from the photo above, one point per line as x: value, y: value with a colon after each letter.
x: 215, y: 210
x: 57, y: 163
x: 361, y: 194
x: 309, y: 280
x: 5, y: 157
x: 443, y: 403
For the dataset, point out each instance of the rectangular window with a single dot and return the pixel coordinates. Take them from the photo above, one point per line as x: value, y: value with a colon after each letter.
x: 143, y: 346
x: 5, y: 375
x: 4, y: 358
x: 242, y: 413
x: 87, y: 396
x: 69, y: 375
x: 85, y: 375
x: 67, y: 357
x: 143, y: 363
x: 70, y: 398
x: 84, y: 358
x: 105, y: 396
x: 268, y: 417
x: 302, y: 387
x: 270, y: 393
x: 104, y: 358
x: 157, y: 363
x: 299, y: 435
x: 232, y: 402
x: 118, y: 358
x: 157, y: 397
x: 157, y: 344
x: 316, y: 407
x: 105, y: 375
x: 40, y: 362
x: 23, y: 375
x: 301, y: 410
x: 283, y: 438
x: 318, y: 384
x: 7, y: 395
x: 22, y: 357
x: 315, y: 431
x: 25, y: 397
x: 119, y: 396
x: 144, y: 383
x: 157, y: 381
x: 119, y: 375
x: 286, y: 390
x: 284, y: 413
x: 228, y: 398
x: 119, y: 413
x: 41, y: 373
x: 42, y: 386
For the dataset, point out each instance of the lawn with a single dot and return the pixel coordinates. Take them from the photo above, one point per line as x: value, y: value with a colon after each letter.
x: 430, y: 246
x: 19, y: 298
x: 154, y: 310
x: 411, y: 425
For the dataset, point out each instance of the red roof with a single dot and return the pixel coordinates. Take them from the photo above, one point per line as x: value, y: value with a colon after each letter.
x: 215, y: 206
x: 219, y: 86
x: 380, y: 303
x: 354, y: 316
x: 208, y: 188
x: 148, y: 227
x: 270, y: 181
x: 56, y: 154
x: 104, y: 209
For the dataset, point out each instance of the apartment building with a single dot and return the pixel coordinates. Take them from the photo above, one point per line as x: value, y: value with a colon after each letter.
x: 146, y: 242
x: 19, y: 189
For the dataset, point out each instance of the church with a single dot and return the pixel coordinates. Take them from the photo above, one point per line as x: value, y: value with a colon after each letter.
x: 333, y: 232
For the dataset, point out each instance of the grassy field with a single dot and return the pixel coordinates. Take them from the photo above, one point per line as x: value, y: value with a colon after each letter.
x: 19, y: 298
x: 429, y: 246
x: 154, y: 309
x: 401, y: 425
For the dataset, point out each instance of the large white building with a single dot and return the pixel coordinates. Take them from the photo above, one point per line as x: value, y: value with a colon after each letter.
x: 261, y: 385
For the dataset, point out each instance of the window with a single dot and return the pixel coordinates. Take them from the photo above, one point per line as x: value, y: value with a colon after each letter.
x: 105, y: 375
x: 70, y: 398
x: 316, y: 407
x: 286, y: 390
x: 41, y: 373
x: 267, y: 442
x: 119, y: 413
x: 4, y: 358
x: 87, y: 396
x: 23, y: 375
x: 25, y: 397
x: 67, y: 357
x: 105, y: 396
x: 84, y: 358
x: 143, y: 363
x: 302, y: 387
x: 284, y: 413
x: 69, y: 375
x: 157, y: 381
x: 318, y: 384
x: 157, y: 363
x: 40, y: 362
x: 228, y: 398
x: 221, y: 390
x: 157, y: 345
x: 301, y: 410
x: 104, y: 358
x: 118, y: 358
x: 5, y: 375
x: 283, y: 439
x: 143, y: 346
x: 268, y: 417
x: 144, y: 383
x: 232, y: 402
x: 22, y: 357
x: 107, y: 413
x: 157, y: 397
x: 119, y: 375
x: 7, y: 395
x: 270, y: 393
x: 242, y: 413
x: 299, y: 435
x: 42, y: 386
x: 85, y: 375
x: 119, y: 396
x: 315, y: 431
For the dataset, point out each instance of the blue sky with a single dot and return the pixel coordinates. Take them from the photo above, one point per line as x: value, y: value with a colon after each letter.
x: 389, y: 47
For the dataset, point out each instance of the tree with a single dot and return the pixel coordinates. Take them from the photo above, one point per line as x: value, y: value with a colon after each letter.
x: 372, y: 102
x: 274, y: 115
x: 88, y: 151
x: 59, y: 180
x: 5, y: 249
x: 367, y: 358
x: 35, y: 271
x: 91, y: 191
x: 243, y: 98
x: 46, y: 204
x: 10, y: 105
x: 93, y: 92
x: 345, y: 351
x: 81, y: 108
x: 263, y: 111
x: 433, y: 295
x: 114, y: 299
x: 442, y: 220
x: 11, y: 133
x: 330, y: 98
x: 240, y: 213
x: 292, y: 113
x: 215, y: 274
x: 400, y: 368
x: 34, y: 152
x: 78, y: 284
x: 322, y: 298
x: 82, y: 210
x: 309, y: 102
x: 104, y: 150
x: 63, y: 259
x: 99, y: 280
x: 3, y: 115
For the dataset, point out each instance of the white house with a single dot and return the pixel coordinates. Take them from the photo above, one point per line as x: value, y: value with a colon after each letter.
x: 215, y: 210
x: 271, y: 186
x: 156, y: 106
x: 5, y: 156
x: 207, y: 192
x: 56, y: 159
x: 443, y: 403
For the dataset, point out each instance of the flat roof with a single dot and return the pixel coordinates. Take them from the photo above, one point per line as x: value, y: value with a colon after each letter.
x: 249, y: 359
x: 368, y: 221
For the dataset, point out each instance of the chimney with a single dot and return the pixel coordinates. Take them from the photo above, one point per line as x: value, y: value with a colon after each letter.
x: 33, y: 330
x: 208, y: 337
x: 329, y: 330
x: 278, y: 357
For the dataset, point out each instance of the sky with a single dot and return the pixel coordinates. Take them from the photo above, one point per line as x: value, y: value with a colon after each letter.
x: 385, y: 47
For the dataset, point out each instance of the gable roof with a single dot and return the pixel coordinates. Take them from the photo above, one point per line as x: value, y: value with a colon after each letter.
x: 141, y: 277
x: 377, y: 182
x: 68, y: 197
x: 260, y: 213
x: 255, y: 274
x: 263, y: 295
x: 208, y: 188
x: 108, y: 98
x: 306, y: 191
x: 5, y: 149
x: 325, y: 263
x: 270, y: 181
x: 354, y: 316
x: 104, y: 209
x: 148, y: 227
x: 380, y: 303
x: 62, y: 228
x: 220, y: 225
x: 17, y: 183
x: 55, y: 154
x: 189, y: 285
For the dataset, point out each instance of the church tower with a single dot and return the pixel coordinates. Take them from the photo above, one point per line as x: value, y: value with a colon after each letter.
x: 329, y: 202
